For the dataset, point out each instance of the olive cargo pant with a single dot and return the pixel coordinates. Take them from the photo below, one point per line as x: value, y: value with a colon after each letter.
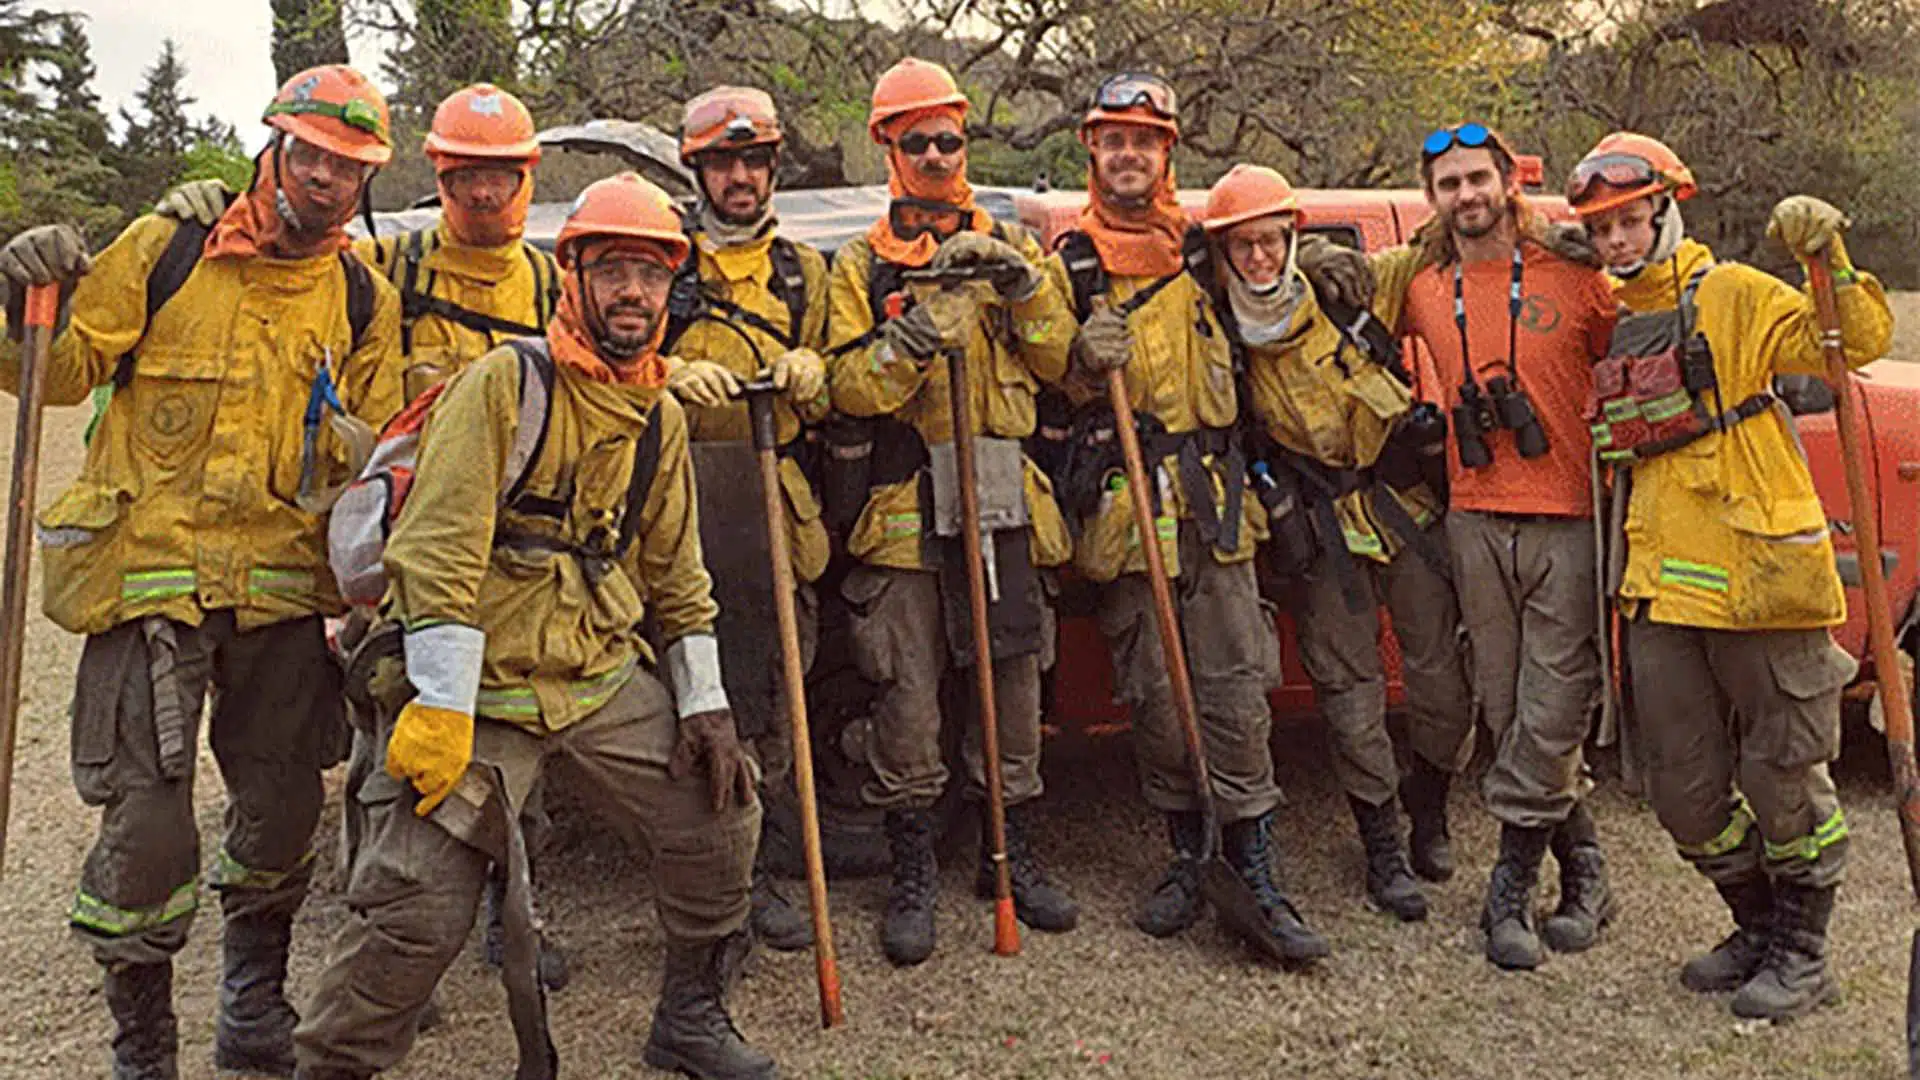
x: 1340, y: 648
x: 276, y: 723
x: 415, y: 886
x: 1739, y: 728
x: 1527, y: 585
x: 1233, y: 656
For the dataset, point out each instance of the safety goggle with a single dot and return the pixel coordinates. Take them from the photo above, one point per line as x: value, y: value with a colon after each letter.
x: 355, y: 114
x: 620, y: 271
x: 1471, y: 136
x: 915, y: 143
x: 911, y: 218
x: 1624, y: 171
x: 738, y: 117
x: 1135, y: 90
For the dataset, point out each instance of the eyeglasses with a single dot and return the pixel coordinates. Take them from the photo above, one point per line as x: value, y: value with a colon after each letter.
x: 743, y: 112
x: 1471, y: 136
x: 620, y: 273
x: 304, y: 158
x: 753, y: 157
x: 1624, y: 171
x: 915, y: 143
x: 355, y: 113
x: 491, y: 179
x: 1275, y: 242
x: 1135, y: 90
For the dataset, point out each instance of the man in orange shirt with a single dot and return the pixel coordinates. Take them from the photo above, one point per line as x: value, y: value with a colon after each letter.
x: 1515, y: 328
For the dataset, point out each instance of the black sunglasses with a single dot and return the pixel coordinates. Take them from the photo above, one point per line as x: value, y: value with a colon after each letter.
x: 754, y: 157
x: 915, y: 143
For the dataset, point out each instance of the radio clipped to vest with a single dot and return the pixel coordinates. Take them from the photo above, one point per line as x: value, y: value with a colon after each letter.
x: 1656, y: 391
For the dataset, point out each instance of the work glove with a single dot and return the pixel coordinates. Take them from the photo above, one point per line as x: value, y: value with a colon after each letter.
x: 702, y: 382
x: 1336, y: 272
x: 1011, y: 275
x: 801, y: 374
x: 1807, y: 226
x: 430, y: 749
x: 201, y: 201
x: 1105, y: 343
x: 709, y: 740
x: 942, y: 320
x: 44, y: 255
x: 1572, y: 243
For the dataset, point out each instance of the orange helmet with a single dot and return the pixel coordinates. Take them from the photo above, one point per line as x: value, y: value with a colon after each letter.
x: 336, y: 109
x: 729, y: 117
x: 1623, y: 167
x: 1248, y: 192
x: 1134, y: 98
x: 483, y: 121
x: 625, y: 204
x: 909, y: 86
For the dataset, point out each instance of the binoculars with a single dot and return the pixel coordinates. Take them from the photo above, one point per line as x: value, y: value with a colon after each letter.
x: 1503, y: 406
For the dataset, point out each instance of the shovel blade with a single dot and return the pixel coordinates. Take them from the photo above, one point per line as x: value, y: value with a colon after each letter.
x: 1228, y: 892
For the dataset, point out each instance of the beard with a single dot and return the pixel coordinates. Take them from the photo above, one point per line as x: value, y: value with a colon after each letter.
x: 1494, y: 215
x: 618, y: 345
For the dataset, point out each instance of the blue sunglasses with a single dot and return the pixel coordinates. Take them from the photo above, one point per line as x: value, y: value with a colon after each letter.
x: 1471, y: 136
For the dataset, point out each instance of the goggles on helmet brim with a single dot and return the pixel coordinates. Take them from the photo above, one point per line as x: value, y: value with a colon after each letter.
x: 355, y: 114
x: 1620, y: 171
x: 1135, y: 90
x: 1470, y: 135
x: 733, y: 118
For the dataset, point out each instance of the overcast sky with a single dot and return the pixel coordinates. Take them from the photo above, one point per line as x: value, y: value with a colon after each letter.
x: 225, y: 44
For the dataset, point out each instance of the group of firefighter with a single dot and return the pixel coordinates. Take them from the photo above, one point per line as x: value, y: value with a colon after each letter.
x: 1606, y: 370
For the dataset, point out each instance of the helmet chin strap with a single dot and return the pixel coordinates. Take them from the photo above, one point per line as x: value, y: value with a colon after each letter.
x: 1669, y: 230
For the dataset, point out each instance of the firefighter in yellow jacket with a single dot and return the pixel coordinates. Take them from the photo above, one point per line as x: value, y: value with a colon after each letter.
x: 466, y: 284
x: 191, y: 552
x: 750, y: 302
x: 1348, y: 482
x: 1144, y: 312
x: 908, y: 593
x: 522, y: 646
x: 1729, y: 588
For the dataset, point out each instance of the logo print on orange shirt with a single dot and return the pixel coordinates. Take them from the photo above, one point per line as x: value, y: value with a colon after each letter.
x: 1539, y: 314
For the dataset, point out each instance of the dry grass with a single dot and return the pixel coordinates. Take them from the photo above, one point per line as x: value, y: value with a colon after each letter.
x: 1393, y: 1001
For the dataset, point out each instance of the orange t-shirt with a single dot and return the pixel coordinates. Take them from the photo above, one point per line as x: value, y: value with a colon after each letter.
x: 1566, y: 319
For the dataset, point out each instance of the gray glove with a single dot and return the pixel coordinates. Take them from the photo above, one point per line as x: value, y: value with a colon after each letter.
x: 1105, y: 343
x: 936, y: 322
x: 1011, y: 275
x: 44, y: 255
x: 201, y: 201
x: 1572, y: 243
x: 1336, y: 272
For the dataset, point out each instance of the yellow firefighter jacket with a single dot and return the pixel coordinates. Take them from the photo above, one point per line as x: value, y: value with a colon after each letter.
x: 515, y: 283
x: 186, y: 502
x: 1728, y: 532
x: 1014, y: 349
x: 1181, y: 373
x: 560, y: 615
x: 743, y: 277
x: 1320, y: 396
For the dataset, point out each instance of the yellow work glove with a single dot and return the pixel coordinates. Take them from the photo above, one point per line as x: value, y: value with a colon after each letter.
x: 1806, y: 226
x: 1105, y: 343
x: 430, y: 749
x: 1336, y: 271
x: 703, y: 383
x: 201, y: 201
x: 801, y: 374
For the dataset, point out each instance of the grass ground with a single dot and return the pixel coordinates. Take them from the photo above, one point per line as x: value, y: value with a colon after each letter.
x: 1393, y: 1001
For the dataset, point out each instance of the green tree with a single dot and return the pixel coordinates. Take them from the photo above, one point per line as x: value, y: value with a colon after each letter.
x: 307, y: 33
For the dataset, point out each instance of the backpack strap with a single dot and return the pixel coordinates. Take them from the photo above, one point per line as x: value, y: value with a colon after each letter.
x: 646, y: 463
x: 168, y: 273
x: 530, y: 431
x: 359, y: 298
x: 546, y: 283
x: 1084, y: 272
x: 1360, y: 329
x: 789, y: 285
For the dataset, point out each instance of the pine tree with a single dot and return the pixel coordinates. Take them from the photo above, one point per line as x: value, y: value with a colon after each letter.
x: 307, y: 33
